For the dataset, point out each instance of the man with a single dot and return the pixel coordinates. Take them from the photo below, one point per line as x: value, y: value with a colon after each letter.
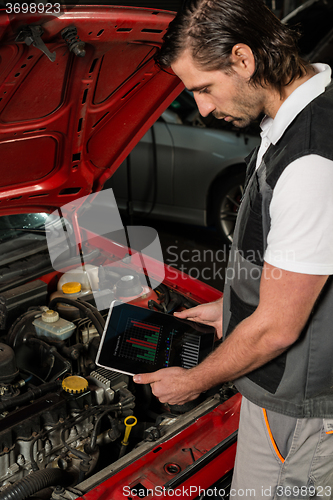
x: 240, y: 61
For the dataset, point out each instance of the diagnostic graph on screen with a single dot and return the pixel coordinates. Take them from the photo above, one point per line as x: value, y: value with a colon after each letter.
x: 140, y: 340
x: 136, y: 340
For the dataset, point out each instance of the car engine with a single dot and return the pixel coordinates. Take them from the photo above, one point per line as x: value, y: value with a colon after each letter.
x: 62, y: 417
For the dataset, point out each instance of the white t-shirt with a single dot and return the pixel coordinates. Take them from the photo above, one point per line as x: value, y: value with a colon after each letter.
x: 301, y: 210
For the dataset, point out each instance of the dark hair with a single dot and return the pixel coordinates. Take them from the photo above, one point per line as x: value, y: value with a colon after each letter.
x: 211, y: 28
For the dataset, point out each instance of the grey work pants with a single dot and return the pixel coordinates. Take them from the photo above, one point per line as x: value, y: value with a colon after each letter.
x: 282, y: 458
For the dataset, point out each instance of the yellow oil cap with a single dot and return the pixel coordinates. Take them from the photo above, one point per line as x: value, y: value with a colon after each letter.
x: 75, y: 384
x: 71, y: 287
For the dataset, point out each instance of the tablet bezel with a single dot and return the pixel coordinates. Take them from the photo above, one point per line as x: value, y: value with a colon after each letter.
x: 208, y: 333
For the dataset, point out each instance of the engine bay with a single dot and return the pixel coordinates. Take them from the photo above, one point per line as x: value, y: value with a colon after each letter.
x: 62, y: 417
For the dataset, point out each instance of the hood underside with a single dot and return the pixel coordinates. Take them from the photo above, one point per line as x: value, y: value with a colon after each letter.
x: 66, y: 125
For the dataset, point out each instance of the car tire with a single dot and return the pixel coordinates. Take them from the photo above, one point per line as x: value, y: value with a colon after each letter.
x: 227, y: 197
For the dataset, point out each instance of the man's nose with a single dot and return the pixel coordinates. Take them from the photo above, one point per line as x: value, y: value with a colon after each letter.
x: 204, y: 104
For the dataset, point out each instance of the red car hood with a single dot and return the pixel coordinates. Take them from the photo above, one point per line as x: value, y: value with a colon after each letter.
x: 65, y: 126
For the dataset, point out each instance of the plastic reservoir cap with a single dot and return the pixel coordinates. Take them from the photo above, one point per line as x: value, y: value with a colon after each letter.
x: 75, y: 384
x: 71, y: 287
x: 50, y: 316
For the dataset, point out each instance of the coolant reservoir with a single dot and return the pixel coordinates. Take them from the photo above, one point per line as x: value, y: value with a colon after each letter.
x: 51, y: 325
x: 87, y: 276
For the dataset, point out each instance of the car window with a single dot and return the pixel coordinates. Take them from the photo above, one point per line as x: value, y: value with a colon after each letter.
x: 13, y: 226
x: 23, y: 248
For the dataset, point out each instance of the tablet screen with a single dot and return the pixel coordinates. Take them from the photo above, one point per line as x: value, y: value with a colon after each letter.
x: 137, y: 340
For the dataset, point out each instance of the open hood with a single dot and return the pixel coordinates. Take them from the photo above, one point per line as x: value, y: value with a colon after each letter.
x: 71, y: 112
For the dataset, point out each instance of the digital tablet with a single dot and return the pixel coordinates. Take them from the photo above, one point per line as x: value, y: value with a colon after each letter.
x: 137, y: 340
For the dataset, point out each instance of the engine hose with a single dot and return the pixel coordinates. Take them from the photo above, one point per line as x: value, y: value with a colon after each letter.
x: 53, y: 351
x: 85, y: 459
x: 176, y: 301
x: 154, y: 305
x: 31, y: 394
x: 95, y: 311
x: 82, y: 456
x: 35, y: 482
x: 82, y: 307
x: 19, y: 326
x: 92, y: 445
x: 163, y: 289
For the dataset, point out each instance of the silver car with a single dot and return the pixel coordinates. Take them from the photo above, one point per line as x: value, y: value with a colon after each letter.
x: 183, y: 171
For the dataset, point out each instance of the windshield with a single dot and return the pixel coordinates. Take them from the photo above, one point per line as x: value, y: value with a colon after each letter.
x: 12, y: 226
x: 23, y: 249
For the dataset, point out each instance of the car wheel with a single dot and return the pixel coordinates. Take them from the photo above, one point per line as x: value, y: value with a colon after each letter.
x: 228, y: 193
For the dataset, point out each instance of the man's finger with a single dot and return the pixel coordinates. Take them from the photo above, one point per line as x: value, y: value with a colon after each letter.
x: 145, y: 378
x: 186, y: 314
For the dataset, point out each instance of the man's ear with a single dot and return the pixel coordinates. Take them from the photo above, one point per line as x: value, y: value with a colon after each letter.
x: 242, y: 60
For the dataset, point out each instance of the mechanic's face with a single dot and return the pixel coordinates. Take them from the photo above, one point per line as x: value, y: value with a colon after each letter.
x: 228, y: 97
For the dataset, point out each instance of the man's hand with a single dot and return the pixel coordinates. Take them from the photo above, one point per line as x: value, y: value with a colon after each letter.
x: 175, y: 385
x: 209, y: 314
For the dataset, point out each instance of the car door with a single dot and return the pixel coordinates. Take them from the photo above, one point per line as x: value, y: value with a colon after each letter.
x: 146, y: 176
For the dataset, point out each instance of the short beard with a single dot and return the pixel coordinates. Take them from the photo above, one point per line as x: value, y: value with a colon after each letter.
x: 248, y: 104
x: 237, y: 121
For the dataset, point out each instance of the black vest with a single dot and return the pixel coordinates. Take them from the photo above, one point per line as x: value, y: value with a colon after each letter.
x: 299, y: 382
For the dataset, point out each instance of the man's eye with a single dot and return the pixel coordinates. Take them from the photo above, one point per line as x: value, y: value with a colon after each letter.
x: 203, y: 91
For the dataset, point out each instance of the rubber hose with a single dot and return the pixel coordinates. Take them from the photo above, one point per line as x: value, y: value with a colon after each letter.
x: 176, y: 301
x: 93, y: 439
x: 19, y: 325
x: 165, y: 291
x: 152, y: 304
x: 31, y: 394
x: 95, y: 311
x: 80, y: 306
x: 33, y: 483
x: 53, y: 351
